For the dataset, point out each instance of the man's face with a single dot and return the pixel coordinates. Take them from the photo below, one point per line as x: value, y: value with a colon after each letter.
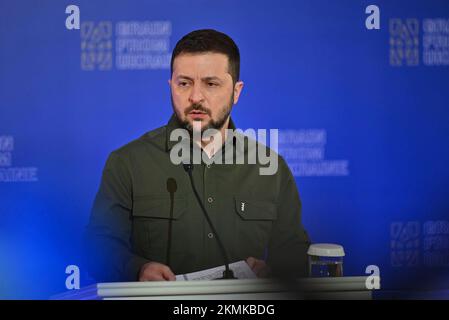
x: 202, y: 90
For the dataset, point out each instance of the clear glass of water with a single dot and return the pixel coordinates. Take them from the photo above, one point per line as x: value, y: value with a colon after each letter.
x: 325, y: 260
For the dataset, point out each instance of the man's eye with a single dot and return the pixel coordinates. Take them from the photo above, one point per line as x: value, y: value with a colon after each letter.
x: 212, y: 84
x: 182, y: 84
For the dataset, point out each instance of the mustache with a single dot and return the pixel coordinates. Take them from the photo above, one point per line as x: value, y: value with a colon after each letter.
x: 197, y: 107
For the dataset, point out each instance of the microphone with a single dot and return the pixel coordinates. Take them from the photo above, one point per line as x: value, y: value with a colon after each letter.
x: 171, y: 188
x: 227, y: 274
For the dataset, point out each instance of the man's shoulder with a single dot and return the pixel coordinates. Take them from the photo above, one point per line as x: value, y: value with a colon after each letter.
x: 155, y: 138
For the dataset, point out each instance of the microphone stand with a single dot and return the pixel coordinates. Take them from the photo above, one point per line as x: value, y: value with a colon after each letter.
x: 171, y: 188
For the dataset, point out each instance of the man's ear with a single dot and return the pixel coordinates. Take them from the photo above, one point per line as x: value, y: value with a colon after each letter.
x: 237, y: 90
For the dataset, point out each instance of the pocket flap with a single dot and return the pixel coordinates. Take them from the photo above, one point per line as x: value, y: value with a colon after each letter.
x: 253, y: 209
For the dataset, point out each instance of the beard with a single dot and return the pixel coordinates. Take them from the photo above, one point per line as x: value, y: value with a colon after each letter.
x: 217, y: 124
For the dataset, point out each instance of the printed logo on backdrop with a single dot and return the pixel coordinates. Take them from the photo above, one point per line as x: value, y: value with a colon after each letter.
x: 8, y: 172
x: 304, y: 151
x: 407, y: 46
x: 404, y: 42
x: 96, y: 45
x: 405, y: 243
x: 414, y: 244
x: 138, y: 45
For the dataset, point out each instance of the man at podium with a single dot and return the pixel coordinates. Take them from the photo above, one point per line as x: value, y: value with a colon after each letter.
x: 154, y: 216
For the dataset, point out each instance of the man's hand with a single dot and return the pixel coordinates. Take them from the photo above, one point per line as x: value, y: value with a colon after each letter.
x: 259, y: 267
x: 155, y: 271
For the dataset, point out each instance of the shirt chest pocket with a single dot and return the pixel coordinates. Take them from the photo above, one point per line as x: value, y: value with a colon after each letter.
x: 255, y: 218
x: 152, y: 221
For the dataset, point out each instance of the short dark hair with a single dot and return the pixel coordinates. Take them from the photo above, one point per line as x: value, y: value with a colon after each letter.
x: 209, y: 40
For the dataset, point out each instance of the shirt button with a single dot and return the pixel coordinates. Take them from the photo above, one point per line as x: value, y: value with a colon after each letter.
x: 210, y: 235
x: 210, y: 200
x: 208, y: 166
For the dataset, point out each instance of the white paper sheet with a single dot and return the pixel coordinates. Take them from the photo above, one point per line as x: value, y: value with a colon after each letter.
x: 240, y: 268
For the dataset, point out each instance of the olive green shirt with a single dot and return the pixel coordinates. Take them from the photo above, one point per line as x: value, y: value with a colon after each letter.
x: 254, y: 215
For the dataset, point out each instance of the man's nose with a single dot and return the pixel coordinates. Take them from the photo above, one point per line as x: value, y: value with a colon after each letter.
x: 196, y: 96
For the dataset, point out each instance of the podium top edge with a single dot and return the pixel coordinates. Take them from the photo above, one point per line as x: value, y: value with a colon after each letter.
x: 228, y: 282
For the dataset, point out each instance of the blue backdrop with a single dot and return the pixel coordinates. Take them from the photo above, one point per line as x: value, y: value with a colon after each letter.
x: 363, y: 117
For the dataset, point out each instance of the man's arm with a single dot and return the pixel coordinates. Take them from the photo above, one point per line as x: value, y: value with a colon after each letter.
x: 108, y: 236
x: 287, y: 250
